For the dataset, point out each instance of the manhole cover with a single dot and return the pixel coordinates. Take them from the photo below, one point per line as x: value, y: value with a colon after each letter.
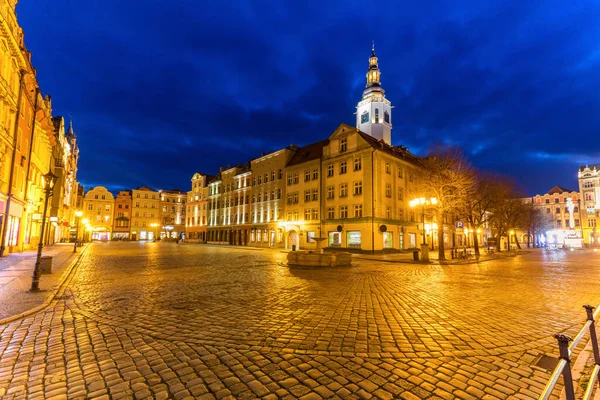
x: 546, y: 362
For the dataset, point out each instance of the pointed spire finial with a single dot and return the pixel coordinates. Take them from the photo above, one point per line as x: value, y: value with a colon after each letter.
x: 70, y: 131
x: 373, y: 49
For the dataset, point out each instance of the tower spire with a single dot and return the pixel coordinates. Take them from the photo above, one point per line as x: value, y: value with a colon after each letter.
x: 71, y: 131
x: 373, y: 112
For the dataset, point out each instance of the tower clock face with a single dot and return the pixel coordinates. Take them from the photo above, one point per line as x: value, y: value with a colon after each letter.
x: 364, y: 117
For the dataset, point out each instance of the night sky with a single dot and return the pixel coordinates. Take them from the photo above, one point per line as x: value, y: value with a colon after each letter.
x: 161, y: 89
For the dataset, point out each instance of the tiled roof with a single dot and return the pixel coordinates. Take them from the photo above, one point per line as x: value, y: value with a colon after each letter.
x: 311, y: 152
x: 558, y: 190
x: 396, y: 151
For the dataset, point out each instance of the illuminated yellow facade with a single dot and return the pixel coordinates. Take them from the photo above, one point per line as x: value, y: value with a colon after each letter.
x: 26, y: 139
x: 172, y: 214
x: 196, y: 208
x: 98, y: 211
x: 145, y: 219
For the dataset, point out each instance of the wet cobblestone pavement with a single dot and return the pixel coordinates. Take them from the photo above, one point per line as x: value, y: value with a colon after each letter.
x: 160, y: 320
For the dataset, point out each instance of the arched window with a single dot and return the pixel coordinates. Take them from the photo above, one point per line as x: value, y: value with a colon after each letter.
x: 386, y: 117
x: 377, y: 115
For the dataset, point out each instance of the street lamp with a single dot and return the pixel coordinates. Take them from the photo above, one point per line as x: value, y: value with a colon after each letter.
x: 422, y: 201
x: 78, y: 215
x: 48, y: 182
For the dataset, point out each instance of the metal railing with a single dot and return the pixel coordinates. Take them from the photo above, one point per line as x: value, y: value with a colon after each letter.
x: 564, y: 366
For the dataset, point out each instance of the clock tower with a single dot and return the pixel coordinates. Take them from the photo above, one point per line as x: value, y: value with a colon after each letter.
x: 374, y: 111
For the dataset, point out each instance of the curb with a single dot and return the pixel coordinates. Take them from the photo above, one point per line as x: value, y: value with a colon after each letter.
x: 66, y: 274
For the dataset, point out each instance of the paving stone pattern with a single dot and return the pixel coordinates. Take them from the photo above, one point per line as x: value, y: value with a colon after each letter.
x: 161, y: 320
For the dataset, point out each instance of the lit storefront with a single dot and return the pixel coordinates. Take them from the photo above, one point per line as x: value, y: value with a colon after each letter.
x: 563, y: 238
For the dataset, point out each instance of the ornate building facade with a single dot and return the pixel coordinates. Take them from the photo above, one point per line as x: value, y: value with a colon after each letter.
x: 172, y: 214
x: 589, y: 188
x: 26, y: 139
x: 562, y: 208
x: 98, y: 211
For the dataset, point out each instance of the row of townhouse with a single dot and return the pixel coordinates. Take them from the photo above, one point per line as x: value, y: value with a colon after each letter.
x: 137, y: 214
x: 33, y: 143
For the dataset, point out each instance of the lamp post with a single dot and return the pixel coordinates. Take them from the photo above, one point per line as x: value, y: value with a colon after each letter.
x: 48, y: 181
x: 422, y: 201
x: 78, y: 215
x: 86, y: 223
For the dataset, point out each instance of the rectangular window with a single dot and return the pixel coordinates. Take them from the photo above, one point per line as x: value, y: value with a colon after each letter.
x: 387, y: 168
x: 289, y: 198
x: 259, y: 180
x: 272, y: 176
x: 343, y: 190
x: 400, y: 194
x: 388, y: 190
x: 357, y: 188
x: 343, y: 145
x: 400, y: 173
x: 307, y: 175
x: 335, y: 239
x: 330, y: 192
x: 307, y: 214
x: 266, y: 177
x: 353, y: 239
x: 388, y: 212
x: 576, y: 222
x: 295, y: 197
x: 315, y: 174
x: 296, y: 177
x: 557, y: 210
x: 315, y: 194
x: 343, y: 167
x: 306, y: 196
x: 591, y: 222
x: 331, y: 212
x: 315, y: 214
x: 343, y: 212
x: 558, y: 223
x: 357, y: 210
x: 289, y: 179
x: 357, y: 164
x: 330, y: 170
x: 279, y: 174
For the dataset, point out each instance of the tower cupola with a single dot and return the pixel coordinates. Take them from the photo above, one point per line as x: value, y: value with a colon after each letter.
x: 373, y: 112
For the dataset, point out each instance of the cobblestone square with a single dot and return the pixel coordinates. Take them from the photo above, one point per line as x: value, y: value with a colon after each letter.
x: 161, y: 320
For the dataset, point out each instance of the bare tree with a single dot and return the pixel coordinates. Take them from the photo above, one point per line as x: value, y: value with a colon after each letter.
x: 485, y: 195
x: 538, y: 222
x: 449, y: 178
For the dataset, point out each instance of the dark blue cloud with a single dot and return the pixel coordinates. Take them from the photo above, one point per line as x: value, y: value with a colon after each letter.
x: 159, y: 90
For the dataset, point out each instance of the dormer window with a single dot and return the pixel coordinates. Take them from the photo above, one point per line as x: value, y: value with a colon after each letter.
x: 343, y: 145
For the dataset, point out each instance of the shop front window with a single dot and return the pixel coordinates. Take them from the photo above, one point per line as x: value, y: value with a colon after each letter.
x: 388, y: 240
x: 335, y: 239
x: 354, y: 239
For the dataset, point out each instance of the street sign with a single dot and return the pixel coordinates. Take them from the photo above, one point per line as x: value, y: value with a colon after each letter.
x: 460, y: 224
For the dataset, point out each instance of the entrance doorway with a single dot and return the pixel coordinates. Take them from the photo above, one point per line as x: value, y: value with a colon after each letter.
x: 294, y: 241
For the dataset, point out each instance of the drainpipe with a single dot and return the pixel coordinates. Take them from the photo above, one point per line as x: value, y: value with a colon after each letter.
x: 32, y: 136
x: 12, y: 164
x: 373, y: 202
